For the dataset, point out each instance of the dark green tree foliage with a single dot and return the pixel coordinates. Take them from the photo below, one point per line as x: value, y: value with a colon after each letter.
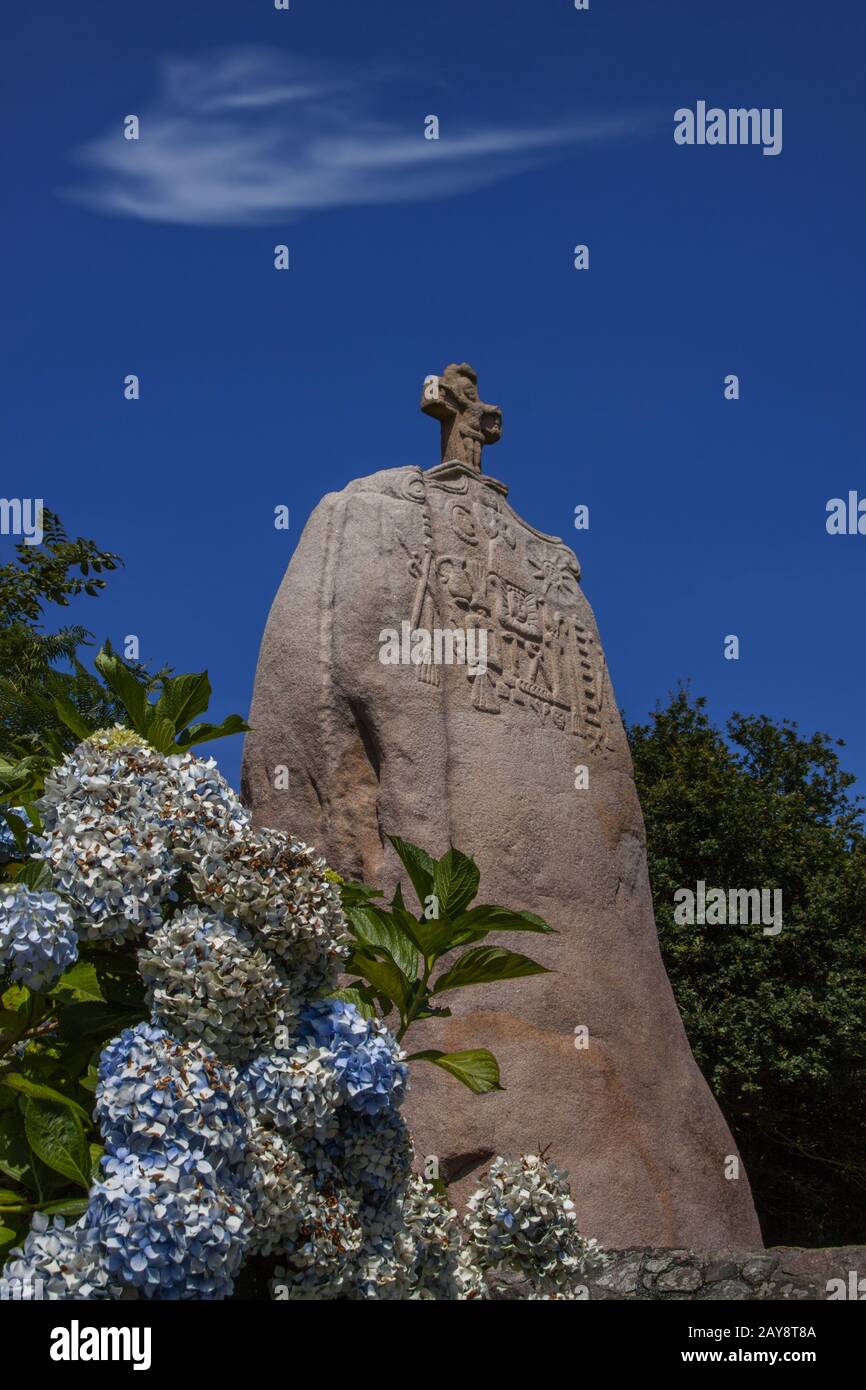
x: 776, y: 1022
x: 36, y: 666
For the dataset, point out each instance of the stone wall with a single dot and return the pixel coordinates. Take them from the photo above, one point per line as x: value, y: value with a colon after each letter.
x: 786, y: 1272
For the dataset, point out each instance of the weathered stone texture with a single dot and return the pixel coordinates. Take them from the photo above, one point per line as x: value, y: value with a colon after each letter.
x: 784, y: 1272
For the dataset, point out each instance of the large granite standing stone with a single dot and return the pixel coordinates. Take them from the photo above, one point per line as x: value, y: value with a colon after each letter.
x: 439, y: 754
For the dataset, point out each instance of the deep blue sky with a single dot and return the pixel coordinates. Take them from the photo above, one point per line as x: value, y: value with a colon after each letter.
x: 259, y: 388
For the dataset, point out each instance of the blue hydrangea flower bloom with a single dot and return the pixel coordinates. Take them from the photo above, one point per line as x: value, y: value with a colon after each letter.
x: 37, y: 937
x: 365, y: 1057
x: 295, y: 1091
x: 171, y: 1098
x: 164, y: 1231
x: 56, y: 1262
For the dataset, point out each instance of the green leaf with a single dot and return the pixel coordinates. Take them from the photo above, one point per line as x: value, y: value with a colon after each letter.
x: 66, y: 1206
x: 485, y: 917
x: 15, y: 998
x: 433, y: 937
x: 8, y: 1198
x: 34, y: 1090
x: 160, y: 733
x: 11, y: 1023
x: 118, y: 975
x: 384, y: 976
x: 130, y: 691
x: 7, y: 1236
x: 81, y: 982
x: 418, y: 865
x: 486, y: 965
x: 182, y: 698
x: 354, y: 893
x: 205, y: 733
x: 89, y: 1081
x: 55, y: 1135
x: 71, y: 718
x: 35, y: 874
x: 455, y: 882
x: 373, y: 926
x: 431, y: 1013
x: 478, y: 1069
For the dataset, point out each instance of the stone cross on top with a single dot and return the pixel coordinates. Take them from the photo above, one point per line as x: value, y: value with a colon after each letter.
x: 467, y: 423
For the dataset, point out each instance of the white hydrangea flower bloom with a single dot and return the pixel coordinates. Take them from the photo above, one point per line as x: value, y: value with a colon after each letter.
x: 523, y: 1217
x: 207, y: 979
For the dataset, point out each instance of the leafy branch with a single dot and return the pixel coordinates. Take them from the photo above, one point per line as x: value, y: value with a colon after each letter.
x: 395, y: 952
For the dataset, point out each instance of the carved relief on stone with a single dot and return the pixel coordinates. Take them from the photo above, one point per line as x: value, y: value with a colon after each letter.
x: 482, y: 566
x: 542, y: 658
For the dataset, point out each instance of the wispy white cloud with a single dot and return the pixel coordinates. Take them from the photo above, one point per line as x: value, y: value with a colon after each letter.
x: 250, y: 136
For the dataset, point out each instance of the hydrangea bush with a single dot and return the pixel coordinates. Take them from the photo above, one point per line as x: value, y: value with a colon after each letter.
x: 246, y: 1119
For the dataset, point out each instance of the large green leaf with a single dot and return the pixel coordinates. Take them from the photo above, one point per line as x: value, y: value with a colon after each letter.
x: 384, y: 976
x: 486, y: 917
x: 71, y: 718
x: 418, y: 865
x: 118, y: 976
x: 35, y: 874
x: 183, y: 697
x: 35, y: 1090
x: 455, y: 882
x: 373, y: 926
x: 160, y: 732
x: 80, y: 983
x: 354, y: 893
x: 478, y: 1069
x: 486, y: 965
x: 433, y: 937
x: 205, y: 733
x: 130, y: 691
x: 66, y: 1206
x: 56, y: 1136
